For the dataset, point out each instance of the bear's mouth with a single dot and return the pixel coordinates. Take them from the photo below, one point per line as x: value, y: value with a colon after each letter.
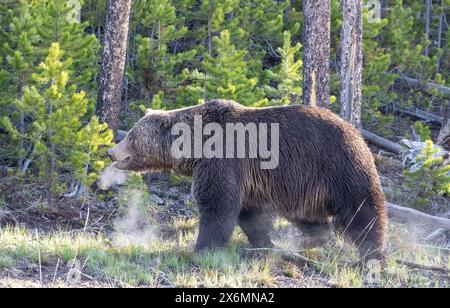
x: 122, y: 165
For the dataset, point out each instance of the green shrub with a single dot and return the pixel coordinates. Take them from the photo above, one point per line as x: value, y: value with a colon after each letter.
x: 422, y: 131
x: 54, y: 137
x: 430, y: 177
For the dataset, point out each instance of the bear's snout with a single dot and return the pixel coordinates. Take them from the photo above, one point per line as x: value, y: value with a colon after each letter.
x: 120, y: 152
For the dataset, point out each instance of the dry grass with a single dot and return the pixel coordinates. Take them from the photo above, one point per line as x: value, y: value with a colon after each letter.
x: 57, y: 258
x: 170, y: 262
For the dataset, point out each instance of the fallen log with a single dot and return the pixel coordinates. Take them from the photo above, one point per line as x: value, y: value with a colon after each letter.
x: 416, y: 218
x: 426, y: 87
x: 422, y: 115
x: 444, y: 137
x: 382, y: 142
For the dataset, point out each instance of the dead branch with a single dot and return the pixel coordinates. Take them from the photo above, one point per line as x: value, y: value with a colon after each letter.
x: 427, y: 87
x: 423, y: 267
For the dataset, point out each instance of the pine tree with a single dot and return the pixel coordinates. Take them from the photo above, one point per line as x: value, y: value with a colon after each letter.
x: 30, y: 29
x: 161, y: 46
x: 214, y: 12
x: 258, y: 26
x: 19, y: 43
x: 87, y: 157
x: 157, y: 68
x: 377, y: 80
x: 428, y: 177
x: 93, y: 13
x: 54, y: 112
x: 19, y: 40
x: 412, y: 52
x: 288, y: 76
x: 226, y: 75
x: 58, y: 26
x: 261, y: 23
x: 400, y: 36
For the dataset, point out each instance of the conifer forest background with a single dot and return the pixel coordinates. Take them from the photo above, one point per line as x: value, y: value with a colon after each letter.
x: 63, y: 63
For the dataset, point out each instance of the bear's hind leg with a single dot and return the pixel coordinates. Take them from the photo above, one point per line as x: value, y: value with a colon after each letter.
x: 366, y: 231
x: 257, y: 225
x: 314, y: 234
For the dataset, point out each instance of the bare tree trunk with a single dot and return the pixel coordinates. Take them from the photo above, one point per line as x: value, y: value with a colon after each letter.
x: 441, y: 25
x: 21, y: 126
x: 209, y: 36
x: 210, y: 16
x: 444, y: 135
x: 316, y: 53
x: 113, y: 66
x: 351, y: 62
x: 427, y: 23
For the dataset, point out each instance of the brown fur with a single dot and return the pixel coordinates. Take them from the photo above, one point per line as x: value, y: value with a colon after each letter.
x: 326, y: 171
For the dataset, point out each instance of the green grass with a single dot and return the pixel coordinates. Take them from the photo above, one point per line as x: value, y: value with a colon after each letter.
x: 176, y: 180
x: 6, y: 261
x: 171, y: 261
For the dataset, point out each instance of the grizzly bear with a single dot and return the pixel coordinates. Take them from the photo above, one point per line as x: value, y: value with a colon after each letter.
x: 324, y: 174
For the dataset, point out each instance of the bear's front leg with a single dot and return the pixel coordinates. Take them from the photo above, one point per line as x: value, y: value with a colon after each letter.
x: 218, y: 201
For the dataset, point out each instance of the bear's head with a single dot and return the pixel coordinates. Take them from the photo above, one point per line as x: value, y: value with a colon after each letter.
x: 146, y: 146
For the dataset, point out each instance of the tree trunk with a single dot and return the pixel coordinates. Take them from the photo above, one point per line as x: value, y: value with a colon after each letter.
x: 316, y: 53
x: 351, y: 62
x: 427, y: 23
x: 444, y: 135
x: 441, y: 25
x: 113, y: 66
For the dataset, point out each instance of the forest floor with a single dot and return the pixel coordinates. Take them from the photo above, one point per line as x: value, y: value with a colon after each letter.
x: 53, y: 243
x: 71, y: 243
